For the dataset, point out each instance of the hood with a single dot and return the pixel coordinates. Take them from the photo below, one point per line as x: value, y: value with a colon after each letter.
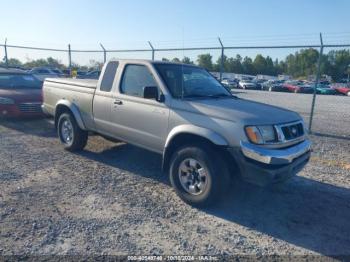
x: 22, y: 95
x: 239, y: 110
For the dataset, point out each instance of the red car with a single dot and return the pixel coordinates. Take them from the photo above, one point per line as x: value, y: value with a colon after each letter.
x: 342, y: 89
x: 20, y: 94
x: 297, y: 87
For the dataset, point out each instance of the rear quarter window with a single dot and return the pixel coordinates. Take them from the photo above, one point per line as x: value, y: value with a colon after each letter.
x: 108, y: 77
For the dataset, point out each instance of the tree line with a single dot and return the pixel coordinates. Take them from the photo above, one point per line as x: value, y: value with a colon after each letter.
x: 303, y: 63
x: 335, y: 63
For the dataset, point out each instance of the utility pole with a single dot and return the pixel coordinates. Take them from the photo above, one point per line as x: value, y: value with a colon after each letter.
x: 222, y: 59
x: 316, y: 84
x: 152, y: 49
x: 6, y: 58
x: 104, y: 53
x: 70, y: 59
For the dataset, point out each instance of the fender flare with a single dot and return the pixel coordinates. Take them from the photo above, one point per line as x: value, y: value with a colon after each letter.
x: 211, y: 135
x: 205, y: 133
x: 74, y: 110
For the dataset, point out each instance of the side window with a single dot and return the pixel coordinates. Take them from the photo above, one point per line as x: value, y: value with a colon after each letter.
x: 108, y: 77
x: 135, y: 78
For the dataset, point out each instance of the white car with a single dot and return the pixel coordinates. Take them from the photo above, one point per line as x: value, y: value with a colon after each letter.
x: 229, y: 83
x: 42, y: 72
x: 244, y: 84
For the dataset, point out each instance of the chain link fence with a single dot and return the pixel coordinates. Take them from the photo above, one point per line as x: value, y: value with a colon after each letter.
x: 325, y: 115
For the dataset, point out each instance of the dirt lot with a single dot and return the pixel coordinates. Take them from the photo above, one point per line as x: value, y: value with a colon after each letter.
x: 113, y: 199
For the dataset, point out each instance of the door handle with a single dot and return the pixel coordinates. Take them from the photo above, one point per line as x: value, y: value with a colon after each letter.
x: 118, y: 102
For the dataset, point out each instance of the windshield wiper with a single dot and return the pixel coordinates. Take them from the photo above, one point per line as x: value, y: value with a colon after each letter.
x: 220, y: 95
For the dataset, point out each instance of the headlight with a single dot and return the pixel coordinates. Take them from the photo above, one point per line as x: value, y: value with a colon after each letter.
x: 261, y: 134
x: 6, y: 101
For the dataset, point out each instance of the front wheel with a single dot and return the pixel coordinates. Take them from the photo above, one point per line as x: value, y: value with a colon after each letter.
x: 198, y: 175
x: 70, y: 134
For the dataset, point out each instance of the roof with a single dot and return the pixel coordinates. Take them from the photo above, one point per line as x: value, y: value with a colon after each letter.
x: 152, y: 61
x: 11, y: 71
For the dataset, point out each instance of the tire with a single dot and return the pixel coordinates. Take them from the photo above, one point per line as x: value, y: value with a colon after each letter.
x: 72, y: 137
x: 214, y: 180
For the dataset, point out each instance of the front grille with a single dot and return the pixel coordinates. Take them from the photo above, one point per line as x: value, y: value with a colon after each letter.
x: 30, y: 107
x: 293, y: 131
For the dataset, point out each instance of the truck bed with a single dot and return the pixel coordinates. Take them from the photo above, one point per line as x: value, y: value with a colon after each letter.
x: 79, y: 92
x: 88, y: 83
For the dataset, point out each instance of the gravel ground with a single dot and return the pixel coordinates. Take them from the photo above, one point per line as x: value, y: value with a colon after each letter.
x: 113, y: 199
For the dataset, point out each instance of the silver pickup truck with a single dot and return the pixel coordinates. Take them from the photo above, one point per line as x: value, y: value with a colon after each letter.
x: 206, y: 135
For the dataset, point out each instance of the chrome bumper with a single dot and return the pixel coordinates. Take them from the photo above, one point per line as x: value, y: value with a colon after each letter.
x: 275, y: 156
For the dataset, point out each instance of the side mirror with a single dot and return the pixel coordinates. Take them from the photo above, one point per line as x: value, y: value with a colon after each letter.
x: 151, y: 92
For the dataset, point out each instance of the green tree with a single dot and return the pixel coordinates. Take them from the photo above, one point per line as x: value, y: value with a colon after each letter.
x: 260, y: 64
x: 217, y: 65
x: 248, y: 67
x: 187, y: 60
x: 302, y: 63
x: 176, y: 60
x: 338, y: 63
x: 12, y: 62
x: 48, y: 62
x: 235, y: 64
x: 205, y: 60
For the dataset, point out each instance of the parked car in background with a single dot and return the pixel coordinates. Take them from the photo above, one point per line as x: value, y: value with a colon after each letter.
x: 230, y: 83
x: 298, y: 87
x: 246, y: 84
x: 20, y: 94
x: 259, y: 83
x: 274, y: 85
x: 90, y: 75
x: 43, y: 72
x: 81, y: 73
x: 342, y: 88
x: 325, y: 90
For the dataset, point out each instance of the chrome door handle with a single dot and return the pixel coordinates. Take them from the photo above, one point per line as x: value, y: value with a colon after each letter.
x: 118, y: 102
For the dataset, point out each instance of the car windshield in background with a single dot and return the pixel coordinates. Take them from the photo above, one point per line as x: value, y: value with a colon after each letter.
x: 190, y: 82
x: 15, y: 81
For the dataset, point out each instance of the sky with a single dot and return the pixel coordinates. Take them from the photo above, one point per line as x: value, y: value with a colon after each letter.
x: 192, y: 23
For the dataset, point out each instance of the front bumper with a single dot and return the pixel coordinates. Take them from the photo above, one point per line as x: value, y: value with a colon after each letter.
x: 263, y: 166
x: 14, y: 111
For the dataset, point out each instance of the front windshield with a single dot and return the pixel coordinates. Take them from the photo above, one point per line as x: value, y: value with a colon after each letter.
x: 189, y: 81
x: 15, y: 81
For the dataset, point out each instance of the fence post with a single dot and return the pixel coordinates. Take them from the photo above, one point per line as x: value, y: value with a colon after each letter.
x: 104, y: 53
x: 152, y: 49
x: 222, y: 59
x: 70, y: 59
x: 6, y: 58
x: 316, y: 84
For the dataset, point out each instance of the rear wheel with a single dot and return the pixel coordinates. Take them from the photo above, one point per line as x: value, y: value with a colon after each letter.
x: 70, y: 134
x: 198, y: 175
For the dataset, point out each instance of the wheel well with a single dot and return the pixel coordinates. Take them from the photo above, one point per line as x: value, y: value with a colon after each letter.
x: 185, y: 139
x: 60, y: 109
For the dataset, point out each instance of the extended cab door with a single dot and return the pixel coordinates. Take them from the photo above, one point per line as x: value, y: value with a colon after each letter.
x: 137, y: 120
x: 103, y: 99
